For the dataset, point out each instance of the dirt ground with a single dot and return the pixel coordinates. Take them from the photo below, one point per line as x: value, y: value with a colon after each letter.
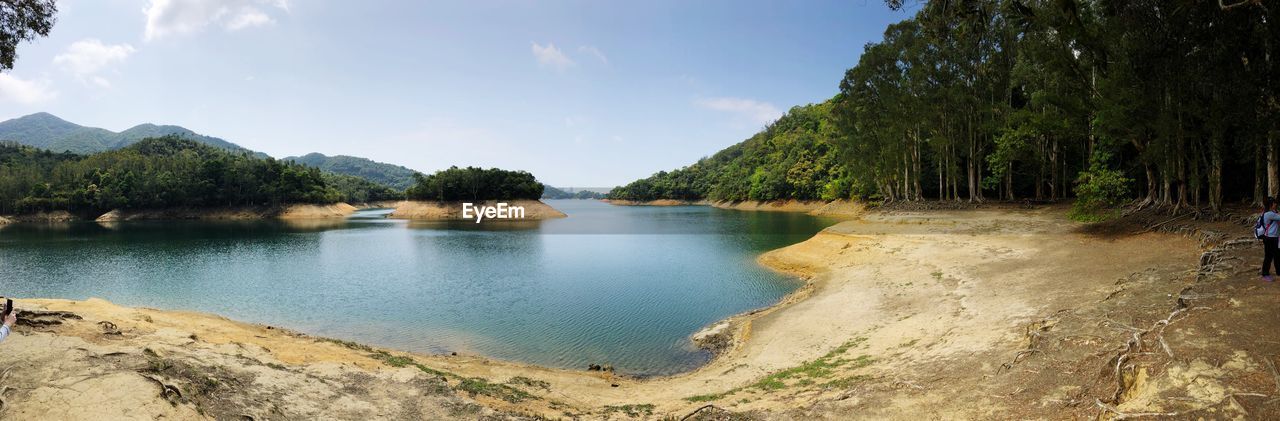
x: 990, y: 313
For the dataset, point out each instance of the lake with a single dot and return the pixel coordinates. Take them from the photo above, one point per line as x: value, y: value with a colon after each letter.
x: 608, y: 285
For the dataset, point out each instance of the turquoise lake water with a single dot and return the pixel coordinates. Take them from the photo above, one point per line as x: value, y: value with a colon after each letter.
x: 608, y: 285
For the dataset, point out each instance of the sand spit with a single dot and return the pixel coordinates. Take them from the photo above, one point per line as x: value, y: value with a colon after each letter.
x: 449, y: 211
x: 976, y: 314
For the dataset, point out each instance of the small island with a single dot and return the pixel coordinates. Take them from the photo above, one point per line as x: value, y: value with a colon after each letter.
x: 443, y: 195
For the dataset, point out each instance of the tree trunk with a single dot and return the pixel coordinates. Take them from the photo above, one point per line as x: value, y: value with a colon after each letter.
x: 1273, y: 167
x: 1215, y: 176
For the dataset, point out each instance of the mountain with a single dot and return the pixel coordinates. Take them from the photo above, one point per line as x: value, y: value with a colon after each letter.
x: 570, y: 193
x: 47, y: 131
x: 394, y: 176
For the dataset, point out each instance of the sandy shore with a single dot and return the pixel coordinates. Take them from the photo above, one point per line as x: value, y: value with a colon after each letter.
x: 937, y: 314
x: 838, y: 208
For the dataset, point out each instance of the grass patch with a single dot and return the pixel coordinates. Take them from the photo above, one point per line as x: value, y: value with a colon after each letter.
x: 712, y: 396
x: 810, y: 372
x: 632, y: 410
x: 471, y: 385
x: 846, y: 382
x: 528, y: 382
x: 403, y: 361
x: 348, y: 344
x: 479, y: 386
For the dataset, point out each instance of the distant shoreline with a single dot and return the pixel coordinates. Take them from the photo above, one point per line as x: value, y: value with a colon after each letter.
x: 838, y: 208
x: 406, y: 209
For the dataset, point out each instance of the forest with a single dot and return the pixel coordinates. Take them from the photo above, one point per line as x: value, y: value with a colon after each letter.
x: 792, y: 158
x: 471, y: 183
x: 163, y: 173
x: 549, y: 192
x: 1166, y: 103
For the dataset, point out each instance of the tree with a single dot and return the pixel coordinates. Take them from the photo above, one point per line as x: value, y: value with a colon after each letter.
x: 23, y: 20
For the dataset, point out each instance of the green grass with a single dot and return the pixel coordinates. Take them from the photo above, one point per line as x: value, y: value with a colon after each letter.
x: 348, y: 344
x: 528, y: 382
x: 846, y: 382
x: 632, y: 410
x: 712, y: 396
x: 808, y: 373
x: 471, y: 385
x: 403, y: 361
x: 480, y: 386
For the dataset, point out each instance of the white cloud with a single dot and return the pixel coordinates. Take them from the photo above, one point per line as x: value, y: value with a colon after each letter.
x: 550, y: 56
x: 27, y: 92
x: 249, y: 18
x: 587, y: 49
x: 84, y: 58
x: 171, y: 17
x: 756, y: 111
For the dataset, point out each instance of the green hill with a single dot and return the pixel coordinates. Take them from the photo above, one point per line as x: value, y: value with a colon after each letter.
x: 793, y: 158
x: 166, y: 172
x: 394, y: 176
x: 556, y: 193
x: 47, y: 131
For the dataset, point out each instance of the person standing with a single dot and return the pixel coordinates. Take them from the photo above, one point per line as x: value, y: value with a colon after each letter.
x: 1270, y: 233
x: 9, y: 321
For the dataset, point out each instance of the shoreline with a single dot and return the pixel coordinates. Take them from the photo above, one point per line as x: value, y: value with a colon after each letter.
x: 857, y: 299
x: 834, y: 208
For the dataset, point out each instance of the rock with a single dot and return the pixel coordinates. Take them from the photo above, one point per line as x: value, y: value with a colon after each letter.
x: 112, y: 216
x: 606, y: 367
x: 593, y: 367
x: 715, y: 338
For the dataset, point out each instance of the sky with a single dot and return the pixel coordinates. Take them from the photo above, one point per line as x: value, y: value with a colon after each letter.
x: 580, y: 93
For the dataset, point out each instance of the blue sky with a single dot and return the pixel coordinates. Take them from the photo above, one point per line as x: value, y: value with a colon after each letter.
x: 589, y: 93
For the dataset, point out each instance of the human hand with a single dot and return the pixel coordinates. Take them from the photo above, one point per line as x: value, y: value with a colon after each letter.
x: 11, y: 319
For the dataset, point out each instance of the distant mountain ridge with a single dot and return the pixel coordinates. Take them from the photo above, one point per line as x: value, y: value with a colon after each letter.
x: 390, y: 175
x: 47, y: 131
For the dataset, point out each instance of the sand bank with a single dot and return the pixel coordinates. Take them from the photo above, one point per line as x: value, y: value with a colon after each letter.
x: 837, y: 208
x: 298, y: 211
x: 447, y: 211
x: 935, y: 314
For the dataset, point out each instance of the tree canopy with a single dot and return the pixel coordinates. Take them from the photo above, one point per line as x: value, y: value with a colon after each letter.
x: 471, y: 183
x: 1171, y: 103
x: 792, y: 158
x: 165, y: 172
x: 20, y: 21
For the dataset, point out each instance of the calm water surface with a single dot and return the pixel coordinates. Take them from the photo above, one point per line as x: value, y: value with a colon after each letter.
x: 611, y: 285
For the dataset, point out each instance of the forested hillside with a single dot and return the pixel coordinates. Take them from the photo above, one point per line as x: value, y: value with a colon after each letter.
x: 1167, y: 102
x: 162, y: 173
x: 792, y: 158
x: 549, y: 192
x: 394, y: 176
